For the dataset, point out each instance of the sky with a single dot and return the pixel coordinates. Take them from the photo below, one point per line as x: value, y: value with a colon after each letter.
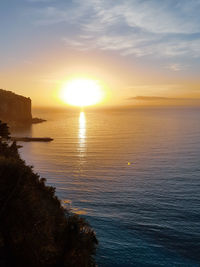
x: 139, y: 50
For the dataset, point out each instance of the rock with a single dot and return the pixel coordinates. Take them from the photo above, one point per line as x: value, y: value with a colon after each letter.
x: 37, y: 120
x: 14, y: 108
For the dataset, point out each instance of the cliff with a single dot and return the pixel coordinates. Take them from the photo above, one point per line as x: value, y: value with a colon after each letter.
x: 14, y: 108
x: 35, y: 230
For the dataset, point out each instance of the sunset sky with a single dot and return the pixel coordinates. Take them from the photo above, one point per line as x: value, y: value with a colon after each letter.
x: 138, y: 50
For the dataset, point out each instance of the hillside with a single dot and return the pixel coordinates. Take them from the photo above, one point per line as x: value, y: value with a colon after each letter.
x: 14, y: 108
x: 35, y: 230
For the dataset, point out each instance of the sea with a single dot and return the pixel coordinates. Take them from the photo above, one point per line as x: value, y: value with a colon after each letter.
x: 134, y: 174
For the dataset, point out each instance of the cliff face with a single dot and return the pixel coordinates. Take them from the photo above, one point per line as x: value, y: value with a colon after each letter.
x: 14, y: 108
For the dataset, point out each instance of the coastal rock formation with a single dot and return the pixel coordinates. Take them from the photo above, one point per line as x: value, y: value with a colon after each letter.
x: 35, y: 230
x: 14, y: 108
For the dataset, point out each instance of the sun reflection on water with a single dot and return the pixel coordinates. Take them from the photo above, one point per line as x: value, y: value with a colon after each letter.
x: 82, y: 133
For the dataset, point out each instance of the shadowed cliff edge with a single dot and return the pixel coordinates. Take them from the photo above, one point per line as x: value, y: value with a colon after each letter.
x: 16, y: 109
x: 35, y: 230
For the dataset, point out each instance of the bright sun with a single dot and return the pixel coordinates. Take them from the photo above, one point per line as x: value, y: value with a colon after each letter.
x: 81, y: 92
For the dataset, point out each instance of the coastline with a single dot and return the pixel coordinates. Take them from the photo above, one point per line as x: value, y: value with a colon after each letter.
x: 33, y: 221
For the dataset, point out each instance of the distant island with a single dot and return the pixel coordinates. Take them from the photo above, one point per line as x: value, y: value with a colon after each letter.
x: 16, y: 109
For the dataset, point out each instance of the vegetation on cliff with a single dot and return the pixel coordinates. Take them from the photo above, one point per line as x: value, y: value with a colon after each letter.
x: 35, y: 230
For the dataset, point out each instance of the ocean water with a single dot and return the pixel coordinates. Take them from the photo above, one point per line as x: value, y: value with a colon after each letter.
x: 133, y: 174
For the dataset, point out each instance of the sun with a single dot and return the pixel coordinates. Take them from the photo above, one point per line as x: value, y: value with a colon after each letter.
x: 82, y: 92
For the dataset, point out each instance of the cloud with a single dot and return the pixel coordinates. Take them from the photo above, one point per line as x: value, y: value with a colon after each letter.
x: 157, y: 100
x: 138, y: 45
x: 154, y: 98
x: 131, y: 27
x: 40, y: 1
x: 163, y: 16
x: 50, y: 15
x: 176, y: 67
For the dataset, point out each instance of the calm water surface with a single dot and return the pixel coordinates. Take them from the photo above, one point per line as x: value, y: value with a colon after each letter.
x: 135, y: 176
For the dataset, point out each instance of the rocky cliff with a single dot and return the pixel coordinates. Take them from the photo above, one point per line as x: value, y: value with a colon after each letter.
x: 14, y: 108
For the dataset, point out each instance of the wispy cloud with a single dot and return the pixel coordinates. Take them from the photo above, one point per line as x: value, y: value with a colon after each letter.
x: 157, y: 100
x: 40, y: 1
x: 132, y: 27
x: 176, y: 67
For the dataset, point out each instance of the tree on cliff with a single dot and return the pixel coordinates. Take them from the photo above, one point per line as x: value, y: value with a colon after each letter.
x: 4, y: 131
x: 35, y: 230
